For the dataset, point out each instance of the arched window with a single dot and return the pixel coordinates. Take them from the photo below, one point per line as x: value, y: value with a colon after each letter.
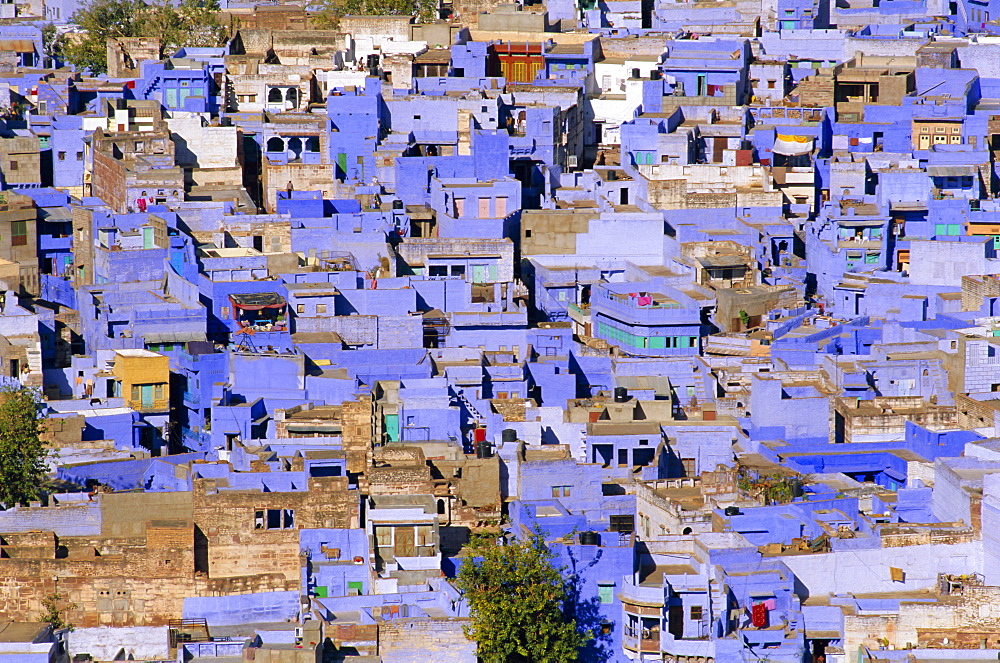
x: 295, y: 147
x: 274, y: 96
x: 292, y: 97
x: 441, y: 507
x: 312, y: 144
x: 275, y: 144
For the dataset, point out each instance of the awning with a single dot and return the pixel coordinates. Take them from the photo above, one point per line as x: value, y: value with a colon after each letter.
x: 257, y: 301
x: 17, y: 45
x: 313, y: 428
x: 723, y: 260
x: 950, y: 171
x: 792, y: 145
x: 174, y: 337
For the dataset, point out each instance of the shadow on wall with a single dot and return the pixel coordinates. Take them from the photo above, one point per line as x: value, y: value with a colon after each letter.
x: 587, y: 612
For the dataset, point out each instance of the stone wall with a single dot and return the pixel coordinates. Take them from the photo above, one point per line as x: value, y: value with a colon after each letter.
x: 440, y: 640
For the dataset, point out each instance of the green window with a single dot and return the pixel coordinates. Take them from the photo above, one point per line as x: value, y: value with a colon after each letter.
x: 320, y: 592
x: 606, y: 593
x: 658, y: 342
x: 871, y: 259
x: 682, y: 342
x: 950, y: 229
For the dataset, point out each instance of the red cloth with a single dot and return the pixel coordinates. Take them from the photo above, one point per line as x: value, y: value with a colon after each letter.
x: 758, y: 615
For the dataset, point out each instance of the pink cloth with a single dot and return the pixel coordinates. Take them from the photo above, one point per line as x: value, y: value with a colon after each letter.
x: 769, y: 604
x: 645, y: 301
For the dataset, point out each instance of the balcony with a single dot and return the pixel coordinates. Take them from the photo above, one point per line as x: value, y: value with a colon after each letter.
x: 148, y: 406
x: 641, y: 640
x: 860, y: 244
x: 641, y: 595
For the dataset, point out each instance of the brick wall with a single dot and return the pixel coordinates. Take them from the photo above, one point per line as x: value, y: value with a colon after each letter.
x: 440, y: 640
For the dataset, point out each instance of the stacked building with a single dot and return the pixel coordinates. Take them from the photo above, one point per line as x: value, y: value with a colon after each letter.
x: 705, y: 292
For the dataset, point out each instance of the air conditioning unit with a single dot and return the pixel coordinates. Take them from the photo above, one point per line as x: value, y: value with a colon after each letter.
x: 571, y: 161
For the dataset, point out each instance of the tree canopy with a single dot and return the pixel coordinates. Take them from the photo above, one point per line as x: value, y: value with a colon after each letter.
x: 328, y: 12
x: 517, y: 601
x: 191, y: 23
x: 22, y: 452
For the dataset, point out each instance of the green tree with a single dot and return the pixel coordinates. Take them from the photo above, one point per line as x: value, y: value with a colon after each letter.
x: 517, y: 601
x: 192, y: 23
x: 56, y: 608
x: 53, y: 43
x: 23, y: 470
x: 327, y: 13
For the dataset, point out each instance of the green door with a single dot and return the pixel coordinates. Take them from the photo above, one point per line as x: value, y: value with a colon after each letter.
x: 171, y: 97
x: 479, y: 273
x: 147, y: 237
x: 392, y: 427
x: 146, y: 391
x: 342, y: 163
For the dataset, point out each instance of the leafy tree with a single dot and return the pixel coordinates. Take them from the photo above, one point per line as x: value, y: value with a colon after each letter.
x: 53, y: 43
x: 22, y: 451
x: 55, y: 609
x: 518, y: 601
x: 328, y: 12
x: 192, y: 23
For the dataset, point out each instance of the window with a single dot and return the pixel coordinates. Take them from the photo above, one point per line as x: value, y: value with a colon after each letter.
x: 438, y: 270
x: 622, y: 523
x: 320, y: 308
x: 13, y: 165
x: 158, y: 392
x: 383, y: 537
x: 689, y: 466
x: 561, y: 491
x: 274, y: 519
x: 225, y: 312
x: 458, y: 270
x: 696, y: 611
x: 62, y: 156
x: 18, y: 233
x: 79, y: 156
x: 300, y: 308
x: 605, y: 593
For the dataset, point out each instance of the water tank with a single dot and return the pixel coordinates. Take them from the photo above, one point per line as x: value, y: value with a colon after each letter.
x: 654, y: 75
x: 479, y: 435
x: 484, y: 449
x: 636, y: 73
x: 621, y: 395
x: 120, y: 104
x: 732, y: 511
x: 590, y: 539
x: 397, y: 204
x: 508, y: 435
